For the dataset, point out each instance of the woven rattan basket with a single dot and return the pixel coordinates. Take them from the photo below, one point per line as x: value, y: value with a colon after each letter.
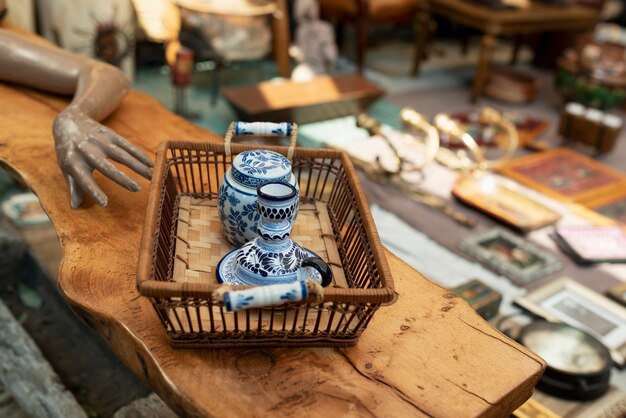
x: 182, y: 243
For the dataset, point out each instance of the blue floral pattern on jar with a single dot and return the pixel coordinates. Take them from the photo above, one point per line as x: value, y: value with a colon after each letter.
x: 237, y: 193
x: 267, y: 164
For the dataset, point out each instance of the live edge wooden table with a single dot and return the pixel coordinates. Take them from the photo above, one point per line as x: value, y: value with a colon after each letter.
x: 427, y: 355
x: 537, y: 18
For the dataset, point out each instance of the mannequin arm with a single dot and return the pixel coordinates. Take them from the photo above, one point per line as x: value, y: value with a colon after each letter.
x: 82, y: 144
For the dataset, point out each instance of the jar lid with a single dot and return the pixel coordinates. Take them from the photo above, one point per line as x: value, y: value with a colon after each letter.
x: 251, y: 168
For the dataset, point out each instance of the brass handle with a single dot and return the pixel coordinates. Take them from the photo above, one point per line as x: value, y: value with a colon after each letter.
x: 446, y: 124
x: 417, y: 122
x: 488, y: 116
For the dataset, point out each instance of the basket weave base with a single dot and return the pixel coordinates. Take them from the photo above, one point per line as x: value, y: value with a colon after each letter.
x: 200, y: 245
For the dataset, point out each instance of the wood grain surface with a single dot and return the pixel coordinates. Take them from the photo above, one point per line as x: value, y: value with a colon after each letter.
x: 427, y: 355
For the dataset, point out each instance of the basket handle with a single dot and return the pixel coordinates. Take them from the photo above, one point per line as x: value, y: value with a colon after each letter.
x: 282, y: 129
x: 275, y: 294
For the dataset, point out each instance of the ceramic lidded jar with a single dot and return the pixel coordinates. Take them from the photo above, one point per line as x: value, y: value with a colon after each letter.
x: 237, y: 199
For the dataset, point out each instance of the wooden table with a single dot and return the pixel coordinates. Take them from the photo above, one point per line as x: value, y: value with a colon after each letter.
x: 428, y: 354
x: 322, y: 98
x: 493, y: 23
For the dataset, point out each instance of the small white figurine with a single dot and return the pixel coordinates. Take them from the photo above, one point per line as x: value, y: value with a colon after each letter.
x: 314, y: 47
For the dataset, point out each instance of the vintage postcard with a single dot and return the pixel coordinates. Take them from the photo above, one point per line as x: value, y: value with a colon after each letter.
x: 592, y: 244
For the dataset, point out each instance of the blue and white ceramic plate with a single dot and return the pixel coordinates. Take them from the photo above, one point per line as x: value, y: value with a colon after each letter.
x: 225, y: 272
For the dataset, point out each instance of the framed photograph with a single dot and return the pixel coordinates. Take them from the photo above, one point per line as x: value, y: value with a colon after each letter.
x: 565, y: 175
x: 501, y: 198
x: 506, y: 253
x: 565, y: 300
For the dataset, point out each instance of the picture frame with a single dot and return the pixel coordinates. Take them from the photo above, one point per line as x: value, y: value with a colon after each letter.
x: 611, y: 206
x: 618, y: 293
x: 587, y: 244
x: 501, y: 199
x: 510, y: 255
x: 565, y: 300
x: 565, y: 175
x: 484, y: 299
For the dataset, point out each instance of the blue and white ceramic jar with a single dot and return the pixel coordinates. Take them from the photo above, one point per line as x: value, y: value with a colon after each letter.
x: 237, y: 199
x: 273, y: 257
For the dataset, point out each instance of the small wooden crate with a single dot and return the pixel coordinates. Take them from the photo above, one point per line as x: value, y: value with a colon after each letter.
x: 182, y: 243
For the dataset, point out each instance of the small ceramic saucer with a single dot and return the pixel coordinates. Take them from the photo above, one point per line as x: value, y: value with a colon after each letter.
x: 226, y: 272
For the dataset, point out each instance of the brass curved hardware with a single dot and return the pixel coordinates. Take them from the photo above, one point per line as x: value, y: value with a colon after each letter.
x: 418, y: 122
x: 472, y: 158
x: 488, y: 116
x: 491, y: 116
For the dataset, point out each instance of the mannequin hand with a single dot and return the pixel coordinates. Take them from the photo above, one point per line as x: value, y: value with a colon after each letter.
x: 83, y: 145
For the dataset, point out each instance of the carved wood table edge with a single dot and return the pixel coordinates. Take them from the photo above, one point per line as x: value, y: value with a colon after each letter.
x: 429, y: 354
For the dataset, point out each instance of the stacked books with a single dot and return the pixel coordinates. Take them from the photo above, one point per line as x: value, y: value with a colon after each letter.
x: 592, y: 244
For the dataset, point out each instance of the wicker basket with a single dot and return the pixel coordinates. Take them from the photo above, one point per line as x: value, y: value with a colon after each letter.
x: 185, y: 293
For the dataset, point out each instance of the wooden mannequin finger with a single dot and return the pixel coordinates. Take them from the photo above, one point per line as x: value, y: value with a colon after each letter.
x: 118, y: 154
x: 108, y: 169
x: 87, y: 183
x: 92, y: 153
x: 129, y: 147
x: 76, y: 194
x: 98, y: 159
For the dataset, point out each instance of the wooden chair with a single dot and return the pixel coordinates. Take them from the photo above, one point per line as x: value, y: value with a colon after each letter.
x: 363, y: 12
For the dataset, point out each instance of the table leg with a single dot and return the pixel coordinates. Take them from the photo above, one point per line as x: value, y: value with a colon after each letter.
x: 362, y: 28
x: 517, y: 45
x: 280, y: 25
x: 486, y: 51
x: 421, y: 34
